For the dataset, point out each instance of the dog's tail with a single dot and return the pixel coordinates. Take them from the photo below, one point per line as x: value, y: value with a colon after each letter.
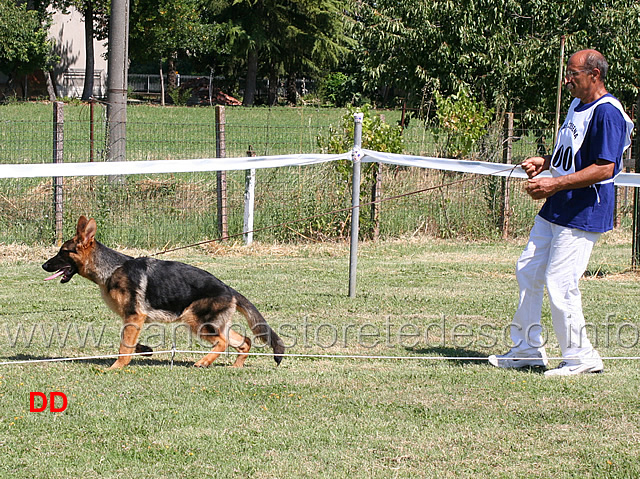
x: 259, y: 327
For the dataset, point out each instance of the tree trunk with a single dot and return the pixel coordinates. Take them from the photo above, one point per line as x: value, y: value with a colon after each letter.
x: 292, y: 93
x: 162, y: 102
x: 51, y: 86
x: 273, y: 87
x: 172, y: 73
x: 252, y: 74
x: 87, y: 91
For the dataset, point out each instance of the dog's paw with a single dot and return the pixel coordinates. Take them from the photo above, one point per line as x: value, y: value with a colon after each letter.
x: 115, y: 366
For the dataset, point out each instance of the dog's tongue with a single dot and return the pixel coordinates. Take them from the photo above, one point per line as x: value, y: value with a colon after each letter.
x: 55, y: 275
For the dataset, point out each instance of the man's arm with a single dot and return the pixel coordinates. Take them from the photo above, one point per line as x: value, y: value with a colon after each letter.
x: 540, y: 188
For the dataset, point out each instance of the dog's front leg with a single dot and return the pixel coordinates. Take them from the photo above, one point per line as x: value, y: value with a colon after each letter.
x: 129, y: 339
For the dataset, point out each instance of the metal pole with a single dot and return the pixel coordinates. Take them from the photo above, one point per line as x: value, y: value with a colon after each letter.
x: 356, y: 156
x: 249, y: 200
x: 117, y: 79
x: 559, y: 96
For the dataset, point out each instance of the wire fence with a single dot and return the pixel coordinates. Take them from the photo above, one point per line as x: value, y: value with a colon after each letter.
x: 154, y: 211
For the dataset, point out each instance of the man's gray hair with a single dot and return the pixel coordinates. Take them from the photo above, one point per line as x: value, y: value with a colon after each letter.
x: 597, y: 60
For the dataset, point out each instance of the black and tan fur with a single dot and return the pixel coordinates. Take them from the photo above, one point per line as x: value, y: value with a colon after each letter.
x: 148, y: 290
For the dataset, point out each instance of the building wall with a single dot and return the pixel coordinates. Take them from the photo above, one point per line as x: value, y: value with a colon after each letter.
x: 67, y: 30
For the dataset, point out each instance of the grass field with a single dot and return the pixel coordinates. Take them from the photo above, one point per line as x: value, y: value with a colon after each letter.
x: 324, y: 417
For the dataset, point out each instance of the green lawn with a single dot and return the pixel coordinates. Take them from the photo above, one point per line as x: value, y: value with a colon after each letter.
x: 323, y: 417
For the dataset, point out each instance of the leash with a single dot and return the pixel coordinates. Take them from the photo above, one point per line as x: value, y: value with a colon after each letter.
x: 332, y: 212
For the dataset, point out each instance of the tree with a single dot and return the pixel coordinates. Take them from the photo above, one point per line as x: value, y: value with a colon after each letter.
x: 167, y: 28
x: 246, y: 25
x: 294, y: 36
x: 24, y: 46
x: 313, y: 39
x: 505, y: 51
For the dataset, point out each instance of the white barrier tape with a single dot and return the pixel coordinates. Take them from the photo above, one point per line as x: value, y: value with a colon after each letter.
x: 477, y: 167
x: 105, y: 168
x: 460, y: 166
x: 627, y: 179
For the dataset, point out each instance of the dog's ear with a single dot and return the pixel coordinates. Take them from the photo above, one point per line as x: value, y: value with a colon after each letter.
x: 85, y: 231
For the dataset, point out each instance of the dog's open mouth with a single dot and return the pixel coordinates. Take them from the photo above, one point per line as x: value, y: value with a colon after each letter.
x: 66, y: 273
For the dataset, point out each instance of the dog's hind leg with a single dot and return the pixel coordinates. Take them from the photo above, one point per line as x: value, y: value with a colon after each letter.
x: 210, y: 333
x: 129, y: 339
x: 220, y: 342
x: 210, y: 320
x: 242, y: 344
x: 219, y: 345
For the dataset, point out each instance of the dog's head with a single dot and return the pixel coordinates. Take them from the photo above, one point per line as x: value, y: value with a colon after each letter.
x: 73, y: 254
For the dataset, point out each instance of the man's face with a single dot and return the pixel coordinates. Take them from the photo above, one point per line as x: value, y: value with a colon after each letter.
x: 579, y: 79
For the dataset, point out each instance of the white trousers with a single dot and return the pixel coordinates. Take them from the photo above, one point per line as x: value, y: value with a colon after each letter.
x: 555, y: 257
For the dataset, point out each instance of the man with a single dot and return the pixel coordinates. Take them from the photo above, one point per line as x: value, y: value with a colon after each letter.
x: 579, y: 207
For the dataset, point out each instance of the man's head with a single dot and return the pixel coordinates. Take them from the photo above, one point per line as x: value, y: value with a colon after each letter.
x: 585, y: 75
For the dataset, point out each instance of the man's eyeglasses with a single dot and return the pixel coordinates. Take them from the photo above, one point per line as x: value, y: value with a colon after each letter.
x: 573, y: 74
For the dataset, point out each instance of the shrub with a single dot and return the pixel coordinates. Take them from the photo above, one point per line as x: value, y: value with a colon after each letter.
x: 339, y: 90
x: 462, y: 120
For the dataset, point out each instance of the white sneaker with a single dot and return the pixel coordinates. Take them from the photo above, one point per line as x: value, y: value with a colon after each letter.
x: 517, y: 360
x: 566, y: 369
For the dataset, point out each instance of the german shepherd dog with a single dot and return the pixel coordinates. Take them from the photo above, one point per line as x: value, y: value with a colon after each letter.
x: 145, y: 290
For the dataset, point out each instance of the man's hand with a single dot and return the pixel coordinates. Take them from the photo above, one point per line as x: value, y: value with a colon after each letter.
x: 535, y: 165
x: 541, y: 188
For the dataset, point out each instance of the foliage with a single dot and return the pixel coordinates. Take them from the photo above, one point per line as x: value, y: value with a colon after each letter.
x: 339, y: 90
x: 100, y: 11
x: 299, y: 38
x: 376, y: 135
x: 462, y: 120
x: 161, y: 29
x: 24, y: 43
x: 180, y: 96
x: 499, y: 49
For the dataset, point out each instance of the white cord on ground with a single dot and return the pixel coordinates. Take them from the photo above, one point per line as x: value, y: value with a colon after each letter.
x: 290, y: 355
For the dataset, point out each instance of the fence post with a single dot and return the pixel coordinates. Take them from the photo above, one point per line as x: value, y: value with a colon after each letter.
x: 58, y: 157
x: 249, y: 200
x: 221, y: 176
x: 635, y: 248
x: 376, y: 194
x: 356, y: 156
x: 92, y: 104
x: 507, y: 156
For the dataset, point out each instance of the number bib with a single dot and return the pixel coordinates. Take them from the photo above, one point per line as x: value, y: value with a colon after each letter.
x: 571, y: 135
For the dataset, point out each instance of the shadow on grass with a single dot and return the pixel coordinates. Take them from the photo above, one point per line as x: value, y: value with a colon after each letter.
x: 458, y: 356
x: 462, y: 357
x: 106, y: 362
